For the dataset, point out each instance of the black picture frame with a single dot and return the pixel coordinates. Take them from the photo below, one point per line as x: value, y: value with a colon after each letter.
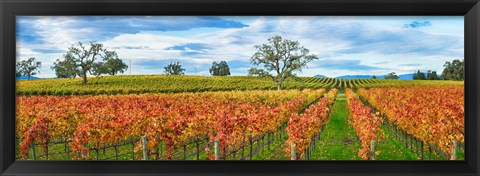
x: 470, y: 9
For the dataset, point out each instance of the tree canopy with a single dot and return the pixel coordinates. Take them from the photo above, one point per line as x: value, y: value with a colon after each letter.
x: 419, y: 75
x: 28, y: 67
x: 391, y: 75
x: 453, y: 70
x: 112, y: 65
x: 174, y: 68
x: 282, y: 57
x: 65, y: 68
x: 432, y: 75
x: 257, y: 72
x: 80, y: 60
x: 220, y: 69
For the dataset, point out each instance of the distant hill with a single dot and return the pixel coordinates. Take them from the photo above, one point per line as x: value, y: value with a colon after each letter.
x: 26, y: 78
x: 400, y: 77
x: 319, y: 76
x: 358, y: 77
x: 406, y: 77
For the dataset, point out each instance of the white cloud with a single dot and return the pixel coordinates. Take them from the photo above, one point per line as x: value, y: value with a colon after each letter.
x: 371, y: 40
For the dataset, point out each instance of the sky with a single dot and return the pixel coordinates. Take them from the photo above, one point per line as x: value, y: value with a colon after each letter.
x: 345, y: 45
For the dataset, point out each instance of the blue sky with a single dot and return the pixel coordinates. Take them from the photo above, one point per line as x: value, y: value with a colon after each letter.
x: 345, y: 45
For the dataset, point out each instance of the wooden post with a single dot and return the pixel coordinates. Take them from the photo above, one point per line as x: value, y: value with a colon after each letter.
x: 33, y: 151
x: 185, y: 152
x: 251, y: 148
x: 217, y: 149
x: 103, y: 151
x: 430, y: 151
x: 46, y: 151
x: 421, y: 149
x: 372, y: 150
x: 268, y: 140
x: 116, y: 151
x: 144, y: 144
x: 198, y: 149
x: 243, y: 152
x: 454, y: 150
x: 68, y: 152
x: 96, y: 153
x: 263, y: 143
x: 161, y: 148
x: 294, y: 152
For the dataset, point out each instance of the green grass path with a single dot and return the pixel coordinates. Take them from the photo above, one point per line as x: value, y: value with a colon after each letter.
x: 337, y: 141
x: 391, y: 149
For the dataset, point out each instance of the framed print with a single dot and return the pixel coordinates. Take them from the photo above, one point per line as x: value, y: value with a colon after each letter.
x: 239, y: 87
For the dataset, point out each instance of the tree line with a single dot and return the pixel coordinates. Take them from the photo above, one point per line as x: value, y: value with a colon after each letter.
x: 280, y: 58
x: 452, y: 71
x: 217, y: 69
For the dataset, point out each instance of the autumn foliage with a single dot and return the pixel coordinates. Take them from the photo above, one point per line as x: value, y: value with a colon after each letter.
x: 366, y: 124
x: 434, y: 114
x: 302, y: 128
x: 93, y: 122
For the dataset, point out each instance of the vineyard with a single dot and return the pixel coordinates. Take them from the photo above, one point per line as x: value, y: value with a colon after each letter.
x: 365, y: 123
x: 91, y: 123
x: 112, y: 85
x: 239, y: 118
x: 431, y: 115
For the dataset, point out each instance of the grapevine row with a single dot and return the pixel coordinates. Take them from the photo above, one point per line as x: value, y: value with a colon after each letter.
x: 114, y: 85
x: 366, y: 124
x: 434, y: 114
x: 302, y: 129
x: 92, y: 122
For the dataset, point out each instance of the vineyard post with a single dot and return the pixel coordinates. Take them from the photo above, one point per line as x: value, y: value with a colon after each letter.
x: 268, y: 140
x: 235, y: 153
x: 96, y: 153
x: 405, y: 139
x: 67, y: 151
x: 217, y: 149
x: 294, y: 152
x: 372, y: 150
x: 251, y: 147
x: 430, y: 151
x: 421, y: 148
x: 243, y: 151
x: 103, y: 151
x: 161, y: 147
x: 396, y: 133
x: 454, y: 150
x: 416, y: 144
x: 263, y: 143
x: 198, y: 150
x: 84, y: 155
x: 307, y: 153
x: 46, y: 151
x: 223, y: 155
x: 281, y: 131
x: 144, y: 144
x: 185, y: 152
x: 157, y: 153
x: 33, y: 151
x: 116, y: 151
x: 411, y: 142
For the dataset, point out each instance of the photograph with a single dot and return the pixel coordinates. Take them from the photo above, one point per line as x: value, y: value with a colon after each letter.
x: 321, y: 88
